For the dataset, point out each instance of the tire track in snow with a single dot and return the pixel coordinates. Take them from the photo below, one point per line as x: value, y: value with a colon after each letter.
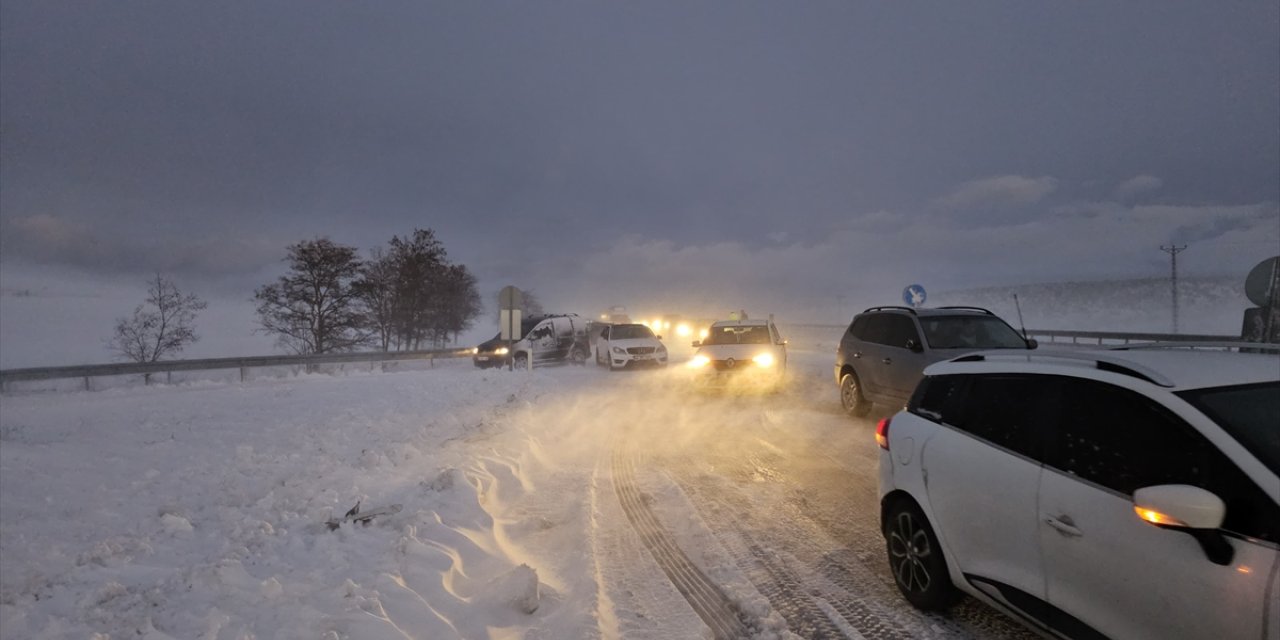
x: 812, y: 607
x: 706, y: 599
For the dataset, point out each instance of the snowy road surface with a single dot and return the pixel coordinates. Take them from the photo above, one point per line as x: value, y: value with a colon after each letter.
x: 566, y: 503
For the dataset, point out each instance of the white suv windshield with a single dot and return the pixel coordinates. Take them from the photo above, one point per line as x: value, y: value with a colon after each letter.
x: 736, y: 334
x: 627, y: 332
x: 970, y: 332
x: 1248, y: 413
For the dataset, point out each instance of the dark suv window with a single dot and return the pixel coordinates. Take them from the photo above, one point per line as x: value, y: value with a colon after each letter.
x: 869, y: 328
x: 1009, y: 411
x: 898, y: 330
x: 1123, y: 441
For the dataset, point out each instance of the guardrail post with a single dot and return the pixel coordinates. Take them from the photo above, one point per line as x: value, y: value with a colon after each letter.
x: 87, y: 387
x: 244, y: 373
x: 168, y: 377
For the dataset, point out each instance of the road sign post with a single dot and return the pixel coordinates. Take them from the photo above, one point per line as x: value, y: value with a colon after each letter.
x: 510, y: 299
x: 1262, y: 287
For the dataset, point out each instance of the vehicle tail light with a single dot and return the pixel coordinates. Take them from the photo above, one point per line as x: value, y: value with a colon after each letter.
x: 882, y: 433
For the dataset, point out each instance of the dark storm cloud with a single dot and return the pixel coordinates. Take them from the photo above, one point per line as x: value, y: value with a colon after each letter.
x: 521, y: 129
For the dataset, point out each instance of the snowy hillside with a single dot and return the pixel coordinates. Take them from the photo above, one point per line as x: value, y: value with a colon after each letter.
x: 1206, y: 305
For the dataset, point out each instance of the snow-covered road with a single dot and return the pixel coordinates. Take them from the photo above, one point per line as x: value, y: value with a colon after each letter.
x: 563, y: 503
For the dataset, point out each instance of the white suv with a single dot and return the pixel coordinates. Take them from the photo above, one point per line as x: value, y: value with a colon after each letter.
x: 740, y: 353
x: 621, y: 346
x: 1096, y: 494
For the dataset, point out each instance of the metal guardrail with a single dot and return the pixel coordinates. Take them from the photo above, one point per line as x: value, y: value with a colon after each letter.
x: 1126, y: 338
x: 90, y: 371
x: 1054, y: 336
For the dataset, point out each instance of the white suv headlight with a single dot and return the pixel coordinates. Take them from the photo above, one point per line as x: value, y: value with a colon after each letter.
x: 620, y: 350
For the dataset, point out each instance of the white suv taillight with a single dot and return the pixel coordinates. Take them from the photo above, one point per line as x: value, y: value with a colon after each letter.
x: 882, y: 433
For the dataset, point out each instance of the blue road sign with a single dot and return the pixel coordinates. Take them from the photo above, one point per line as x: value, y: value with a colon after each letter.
x: 914, y: 295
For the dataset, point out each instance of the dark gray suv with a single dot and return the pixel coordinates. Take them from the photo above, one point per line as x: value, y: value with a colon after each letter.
x: 883, y: 354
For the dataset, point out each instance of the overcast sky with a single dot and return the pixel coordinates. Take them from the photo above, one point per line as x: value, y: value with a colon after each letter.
x: 643, y: 153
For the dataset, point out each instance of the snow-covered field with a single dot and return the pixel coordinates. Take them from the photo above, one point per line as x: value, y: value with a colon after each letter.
x: 199, y: 510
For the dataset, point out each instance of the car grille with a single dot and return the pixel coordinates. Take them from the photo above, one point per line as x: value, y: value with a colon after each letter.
x: 723, y: 365
x: 641, y: 351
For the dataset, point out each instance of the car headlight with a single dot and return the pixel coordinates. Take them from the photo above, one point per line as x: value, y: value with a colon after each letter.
x: 501, y: 351
x: 699, y: 361
x: 764, y: 359
x: 620, y: 351
x: 475, y: 350
x: 662, y: 348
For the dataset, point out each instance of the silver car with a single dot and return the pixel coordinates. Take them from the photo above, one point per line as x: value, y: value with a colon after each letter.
x: 884, y: 351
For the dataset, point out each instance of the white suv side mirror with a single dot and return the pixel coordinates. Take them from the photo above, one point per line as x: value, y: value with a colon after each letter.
x: 1179, y: 505
x: 1191, y: 510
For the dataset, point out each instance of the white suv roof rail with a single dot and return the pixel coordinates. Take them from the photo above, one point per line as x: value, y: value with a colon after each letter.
x: 1256, y: 346
x: 1100, y: 361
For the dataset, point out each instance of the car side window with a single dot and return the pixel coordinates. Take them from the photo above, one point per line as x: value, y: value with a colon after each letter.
x: 1123, y: 441
x: 1009, y: 411
x: 938, y: 398
x: 899, y: 329
x: 872, y: 328
x: 858, y: 326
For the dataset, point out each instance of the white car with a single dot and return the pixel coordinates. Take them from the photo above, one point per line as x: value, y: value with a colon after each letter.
x: 1098, y: 494
x: 622, y: 346
x: 740, y: 352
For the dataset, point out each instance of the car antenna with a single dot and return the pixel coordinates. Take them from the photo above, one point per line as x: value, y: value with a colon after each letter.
x: 1021, y: 325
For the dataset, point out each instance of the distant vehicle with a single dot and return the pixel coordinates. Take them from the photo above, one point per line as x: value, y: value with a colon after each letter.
x: 740, y: 352
x: 622, y: 346
x: 883, y: 353
x: 616, y: 314
x: 547, y: 339
x: 1096, y: 494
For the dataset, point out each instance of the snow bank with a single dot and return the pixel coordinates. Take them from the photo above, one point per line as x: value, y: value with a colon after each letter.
x: 199, y: 511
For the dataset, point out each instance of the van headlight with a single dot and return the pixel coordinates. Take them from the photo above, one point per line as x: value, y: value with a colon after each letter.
x: 764, y: 359
x: 699, y: 361
x: 501, y: 351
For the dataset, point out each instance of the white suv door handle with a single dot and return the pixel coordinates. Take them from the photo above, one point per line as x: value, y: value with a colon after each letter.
x: 1064, y: 525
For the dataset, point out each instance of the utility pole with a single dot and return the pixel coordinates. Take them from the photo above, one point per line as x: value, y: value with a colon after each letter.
x: 1173, y: 252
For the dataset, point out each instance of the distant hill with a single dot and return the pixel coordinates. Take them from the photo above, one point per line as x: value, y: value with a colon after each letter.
x: 1206, y: 305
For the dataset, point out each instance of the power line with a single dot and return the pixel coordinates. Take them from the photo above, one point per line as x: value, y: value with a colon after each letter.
x: 1173, y: 252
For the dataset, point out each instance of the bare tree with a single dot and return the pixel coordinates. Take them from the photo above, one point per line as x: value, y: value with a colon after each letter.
x: 159, y: 327
x: 420, y: 263
x: 313, y: 308
x: 377, y: 291
x: 457, y: 304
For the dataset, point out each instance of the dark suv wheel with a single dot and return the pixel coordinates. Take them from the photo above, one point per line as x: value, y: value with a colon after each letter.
x: 915, y: 558
x: 851, y: 398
